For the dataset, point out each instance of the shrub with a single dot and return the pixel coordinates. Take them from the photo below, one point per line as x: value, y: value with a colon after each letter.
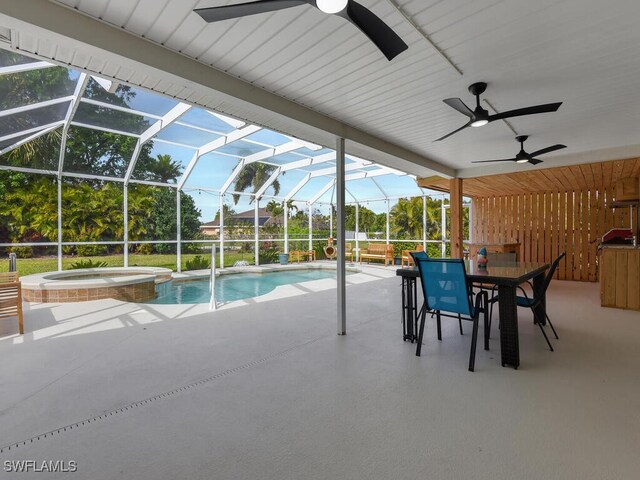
x: 88, y: 264
x: 144, y: 249
x: 22, y: 252
x: 198, y: 263
x: 268, y: 253
x: 91, y: 250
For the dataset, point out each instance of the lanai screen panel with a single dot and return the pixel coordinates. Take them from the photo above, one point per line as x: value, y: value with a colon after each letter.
x: 111, y: 130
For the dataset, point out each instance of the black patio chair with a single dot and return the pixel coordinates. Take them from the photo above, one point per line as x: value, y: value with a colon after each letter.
x: 532, y: 303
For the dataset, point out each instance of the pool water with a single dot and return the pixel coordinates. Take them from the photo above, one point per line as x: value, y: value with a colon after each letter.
x: 234, y: 286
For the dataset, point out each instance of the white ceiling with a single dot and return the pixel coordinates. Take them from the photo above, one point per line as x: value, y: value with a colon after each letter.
x: 585, y: 53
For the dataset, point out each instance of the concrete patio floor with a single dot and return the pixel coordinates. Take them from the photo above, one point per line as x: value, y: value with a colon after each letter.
x: 269, y: 391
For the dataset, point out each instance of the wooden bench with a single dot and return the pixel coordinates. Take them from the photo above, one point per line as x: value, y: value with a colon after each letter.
x: 378, y: 251
x: 11, y: 298
x: 298, y: 254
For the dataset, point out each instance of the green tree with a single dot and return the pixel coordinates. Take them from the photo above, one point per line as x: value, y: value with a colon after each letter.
x: 165, y: 169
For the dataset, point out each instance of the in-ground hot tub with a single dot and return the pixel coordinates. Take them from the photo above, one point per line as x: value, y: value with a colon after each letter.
x: 131, y: 284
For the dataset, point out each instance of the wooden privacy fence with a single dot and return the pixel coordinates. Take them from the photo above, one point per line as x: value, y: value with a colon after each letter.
x: 548, y: 223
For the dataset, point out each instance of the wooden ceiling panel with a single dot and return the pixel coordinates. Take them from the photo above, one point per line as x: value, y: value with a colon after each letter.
x: 576, y: 178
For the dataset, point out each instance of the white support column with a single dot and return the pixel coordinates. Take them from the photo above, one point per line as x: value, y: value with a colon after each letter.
x: 341, y: 265
x: 388, y: 218
x: 286, y: 228
x: 256, y: 231
x: 357, y: 232
x: 59, y: 224
x: 443, y: 227
x: 125, y: 223
x: 310, y: 227
x: 221, y: 235
x: 178, y: 231
x: 81, y: 85
x: 424, y: 222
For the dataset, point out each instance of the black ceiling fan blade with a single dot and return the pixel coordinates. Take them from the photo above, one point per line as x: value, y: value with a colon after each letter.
x: 534, y: 161
x: 501, y: 160
x: 519, y: 112
x: 388, y: 41
x: 547, y: 150
x: 455, y: 131
x: 460, y: 106
x: 225, y: 12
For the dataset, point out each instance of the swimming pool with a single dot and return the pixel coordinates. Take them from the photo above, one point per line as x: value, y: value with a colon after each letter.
x: 234, y: 286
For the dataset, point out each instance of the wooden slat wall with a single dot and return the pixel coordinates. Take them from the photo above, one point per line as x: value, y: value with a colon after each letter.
x: 549, y: 223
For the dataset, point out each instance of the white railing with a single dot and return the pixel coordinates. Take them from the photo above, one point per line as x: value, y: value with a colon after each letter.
x: 212, y: 281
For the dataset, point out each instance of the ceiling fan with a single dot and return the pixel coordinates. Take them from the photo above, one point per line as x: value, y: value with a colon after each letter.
x: 388, y: 41
x: 524, y: 157
x: 479, y: 116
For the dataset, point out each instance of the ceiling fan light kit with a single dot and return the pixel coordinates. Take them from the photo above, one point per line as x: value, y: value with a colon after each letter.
x: 524, y: 157
x: 480, y: 116
x: 331, y: 6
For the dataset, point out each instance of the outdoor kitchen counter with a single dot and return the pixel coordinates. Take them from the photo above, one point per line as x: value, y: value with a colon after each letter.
x: 620, y: 276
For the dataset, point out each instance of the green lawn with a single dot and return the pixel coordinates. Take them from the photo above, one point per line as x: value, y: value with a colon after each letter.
x: 28, y: 266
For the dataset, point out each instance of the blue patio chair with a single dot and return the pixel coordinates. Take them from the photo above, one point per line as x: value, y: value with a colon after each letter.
x: 445, y: 289
x: 423, y: 256
x: 532, y: 303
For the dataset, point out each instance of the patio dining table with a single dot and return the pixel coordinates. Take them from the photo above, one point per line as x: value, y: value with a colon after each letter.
x: 507, y: 276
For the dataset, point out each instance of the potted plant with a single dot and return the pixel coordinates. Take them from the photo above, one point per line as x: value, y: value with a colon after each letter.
x: 284, y: 258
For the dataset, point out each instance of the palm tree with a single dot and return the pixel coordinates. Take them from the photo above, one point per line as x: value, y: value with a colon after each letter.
x: 253, y: 176
x: 166, y: 169
x: 276, y: 209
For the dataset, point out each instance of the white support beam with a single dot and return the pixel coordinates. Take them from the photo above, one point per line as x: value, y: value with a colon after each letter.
x: 211, y: 146
x: 176, y: 144
x: 81, y: 85
x: 310, y: 226
x: 228, y: 120
x: 380, y: 188
x: 311, y: 146
x: 286, y: 227
x: 34, y: 106
x: 28, y: 139
x: 298, y: 187
x: 232, y: 177
x: 31, y: 130
x: 170, y: 117
x: 108, y: 85
x: 324, y: 158
x: 322, y: 191
x: 370, y: 174
x: 104, y: 129
x: 256, y: 231
x: 274, y: 151
x: 120, y: 108
x: 221, y: 230
x: 25, y: 67
x: 357, y: 232
x: 332, y: 170
x: 268, y: 183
